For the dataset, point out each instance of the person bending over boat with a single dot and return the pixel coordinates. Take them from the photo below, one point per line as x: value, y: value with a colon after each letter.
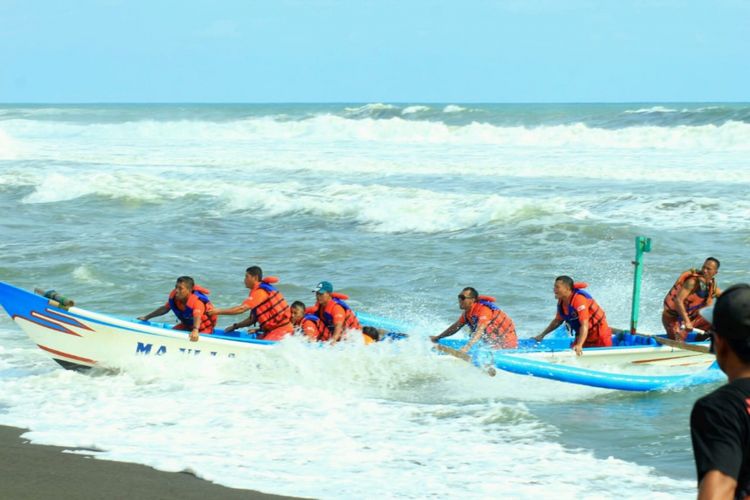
x: 335, y: 315
x: 304, y: 322
x: 190, y: 303
x: 720, y: 421
x: 266, y: 304
x: 308, y: 324
x: 370, y: 335
x: 486, y: 321
x: 581, y: 313
x: 692, y: 291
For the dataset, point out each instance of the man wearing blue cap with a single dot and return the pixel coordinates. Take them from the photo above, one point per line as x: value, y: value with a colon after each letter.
x: 720, y: 421
x: 335, y: 314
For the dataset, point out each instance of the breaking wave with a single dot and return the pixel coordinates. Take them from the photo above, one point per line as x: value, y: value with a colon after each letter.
x: 732, y: 135
x: 383, y: 208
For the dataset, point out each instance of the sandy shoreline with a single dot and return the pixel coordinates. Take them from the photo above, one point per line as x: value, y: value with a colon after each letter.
x: 29, y: 471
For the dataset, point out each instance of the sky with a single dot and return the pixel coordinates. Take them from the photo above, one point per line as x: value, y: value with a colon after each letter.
x: 404, y: 51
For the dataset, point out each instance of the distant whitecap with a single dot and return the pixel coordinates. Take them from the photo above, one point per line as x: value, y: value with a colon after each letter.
x: 410, y: 110
x: 453, y: 108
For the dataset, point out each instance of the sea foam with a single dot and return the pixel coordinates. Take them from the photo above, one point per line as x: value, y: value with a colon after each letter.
x: 322, y: 129
x: 378, y: 413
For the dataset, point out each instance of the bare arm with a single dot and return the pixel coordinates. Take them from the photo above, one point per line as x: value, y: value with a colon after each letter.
x: 338, y: 330
x: 250, y: 320
x: 583, y: 333
x: 195, y: 332
x: 230, y: 311
x: 552, y: 325
x: 156, y: 312
x: 716, y: 485
x: 474, y: 338
x: 448, y: 331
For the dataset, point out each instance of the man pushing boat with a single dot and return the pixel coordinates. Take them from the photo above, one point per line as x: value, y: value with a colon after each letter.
x: 584, y: 316
x: 190, y: 303
x: 693, y: 291
x: 266, y: 304
x: 486, y: 321
x: 336, y: 317
x: 304, y: 321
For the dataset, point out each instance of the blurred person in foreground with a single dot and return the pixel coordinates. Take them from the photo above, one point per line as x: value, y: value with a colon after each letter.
x: 720, y: 421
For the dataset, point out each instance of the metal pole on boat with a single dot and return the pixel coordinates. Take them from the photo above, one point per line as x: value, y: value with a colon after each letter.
x: 642, y: 245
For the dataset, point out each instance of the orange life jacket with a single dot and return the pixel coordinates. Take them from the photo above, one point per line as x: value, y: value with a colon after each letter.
x: 500, y: 331
x: 597, y: 319
x: 326, y: 317
x: 273, y: 312
x: 186, y: 315
x: 309, y: 326
x: 702, y: 294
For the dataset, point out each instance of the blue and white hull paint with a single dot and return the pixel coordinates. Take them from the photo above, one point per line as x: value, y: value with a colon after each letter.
x: 77, y: 338
x: 607, y: 379
x: 633, y: 363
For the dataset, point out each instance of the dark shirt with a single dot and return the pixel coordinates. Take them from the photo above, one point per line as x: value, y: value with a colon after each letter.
x: 720, y: 430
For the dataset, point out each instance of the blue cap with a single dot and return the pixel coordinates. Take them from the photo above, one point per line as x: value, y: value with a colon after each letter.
x: 324, y: 286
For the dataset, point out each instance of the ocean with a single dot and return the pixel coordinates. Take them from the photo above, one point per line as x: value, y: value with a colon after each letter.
x: 400, y: 206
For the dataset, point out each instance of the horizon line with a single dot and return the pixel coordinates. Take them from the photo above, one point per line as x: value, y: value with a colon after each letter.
x: 360, y: 102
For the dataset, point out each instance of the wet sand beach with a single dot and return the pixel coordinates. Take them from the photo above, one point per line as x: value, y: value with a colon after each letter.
x: 30, y: 471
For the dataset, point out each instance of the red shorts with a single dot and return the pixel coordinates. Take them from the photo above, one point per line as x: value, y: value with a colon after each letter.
x: 672, y: 325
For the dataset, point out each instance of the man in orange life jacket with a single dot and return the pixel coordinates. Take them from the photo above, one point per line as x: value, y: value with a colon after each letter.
x: 487, y: 322
x: 582, y: 314
x: 191, y: 305
x: 692, y: 291
x: 305, y: 323
x: 335, y: 315
x: 308, y: 324
x: 266, y: 305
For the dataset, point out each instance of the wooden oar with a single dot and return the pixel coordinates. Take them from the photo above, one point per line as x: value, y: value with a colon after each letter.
x: 463, y: 356
x: 682, y: 345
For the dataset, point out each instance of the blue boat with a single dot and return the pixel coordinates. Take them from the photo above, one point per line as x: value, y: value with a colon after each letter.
x: 77, y: 338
